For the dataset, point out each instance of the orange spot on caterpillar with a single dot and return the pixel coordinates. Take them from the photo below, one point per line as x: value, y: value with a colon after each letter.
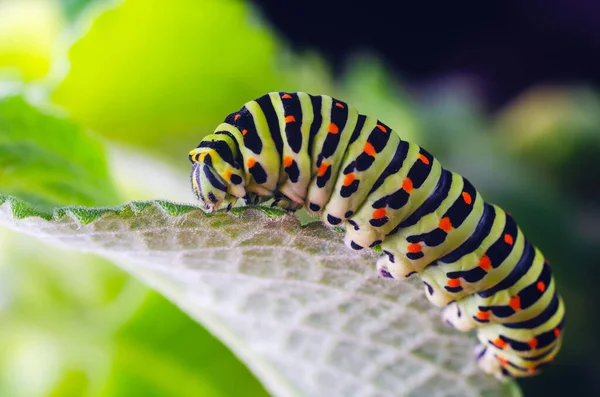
x: 251, y: 162
x: 483, y: 315
x: 369, y: 149
x: 237, y: 116
x: 423, y: 158
x: 333, y: 129
x: 289, y: 119
x: 531, y: 369
x: 515, y: 302
x: 244, y: 132
x: 348, y: 179
x: 453, y: 282
x: 227, y: 175
x: 556, y: 332
x: 502, y: 361
x: 407, y: 185
x: 323, y: 169
x: 445, y: 224
x: 533, y: 343
x: 286, y: 96
x: 379, y: 213
x: 541, y: 286
x: 382, y: 128
x: 339, y: 105
x: 500, y: 343
x: 414, y: 247
x: 287, y: 161
x: 508, y: 239
x: 485, y: 263
x: 467, y: 198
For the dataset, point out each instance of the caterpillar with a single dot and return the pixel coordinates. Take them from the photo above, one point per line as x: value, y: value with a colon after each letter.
x: 318, y: 152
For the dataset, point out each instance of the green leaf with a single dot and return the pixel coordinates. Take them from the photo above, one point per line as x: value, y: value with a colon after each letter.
x: 48, y: 160
x: 183, y: 66
x: 74, y: 8
x: 161, y: 352
x: 308, y: 316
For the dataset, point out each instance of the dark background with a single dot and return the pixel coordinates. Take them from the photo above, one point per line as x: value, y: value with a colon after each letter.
x: 506, y: 46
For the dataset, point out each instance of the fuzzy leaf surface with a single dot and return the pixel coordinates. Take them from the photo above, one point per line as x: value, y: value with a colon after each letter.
x: 307, y: 315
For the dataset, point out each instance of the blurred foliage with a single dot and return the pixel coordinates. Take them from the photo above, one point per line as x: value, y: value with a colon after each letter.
x: 369, y: 86
x: 157, y: 77
x: 177, y: 358
x: 182, y: 67
x: 28, y: 30
x: 555, y: 131
x: 73, y: 9
x: 49, y: 161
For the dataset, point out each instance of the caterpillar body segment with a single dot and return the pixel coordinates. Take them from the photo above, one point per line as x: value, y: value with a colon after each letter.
x: 355, y: 171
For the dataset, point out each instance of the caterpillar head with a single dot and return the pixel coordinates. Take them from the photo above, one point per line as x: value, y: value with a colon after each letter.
x: 210, y: 188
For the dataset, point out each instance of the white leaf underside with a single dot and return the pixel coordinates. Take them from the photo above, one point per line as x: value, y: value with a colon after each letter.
x: 308, y: 316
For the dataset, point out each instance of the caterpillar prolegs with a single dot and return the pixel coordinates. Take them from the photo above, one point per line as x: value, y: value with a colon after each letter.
x: 319, y: 152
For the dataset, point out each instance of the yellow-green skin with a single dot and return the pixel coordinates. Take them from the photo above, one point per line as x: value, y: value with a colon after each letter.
x: 319, y: 152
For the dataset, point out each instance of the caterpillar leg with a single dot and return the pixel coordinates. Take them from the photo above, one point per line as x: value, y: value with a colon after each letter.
x: 488, y: 363
x: 400, y: 267
x: 441, y: 297
x: 396, y: 267
x: 457, y: 318
x: 252, y: 198
x: 285, y: 203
